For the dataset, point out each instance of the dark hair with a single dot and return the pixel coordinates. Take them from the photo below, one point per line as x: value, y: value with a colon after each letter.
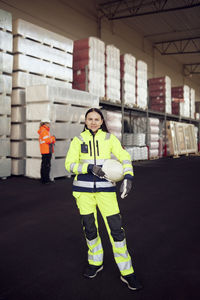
x: 103, y: 126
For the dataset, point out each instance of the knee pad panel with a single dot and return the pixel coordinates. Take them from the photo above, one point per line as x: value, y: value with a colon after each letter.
x: 115, y: 224
x: 88, y: 222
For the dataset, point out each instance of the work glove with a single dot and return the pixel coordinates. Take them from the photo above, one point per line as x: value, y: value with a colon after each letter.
x: 96, y: 170
x: 125, y: 187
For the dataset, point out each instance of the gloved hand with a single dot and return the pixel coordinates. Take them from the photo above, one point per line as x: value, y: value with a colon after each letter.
x: 96, y: 170
x: 125, y: 187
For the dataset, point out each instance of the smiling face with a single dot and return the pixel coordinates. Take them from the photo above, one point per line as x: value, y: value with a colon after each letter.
x: 93, y: 121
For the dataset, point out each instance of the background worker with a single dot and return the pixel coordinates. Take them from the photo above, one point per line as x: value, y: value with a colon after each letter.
x: 85, y: 157
x: 46, y: 142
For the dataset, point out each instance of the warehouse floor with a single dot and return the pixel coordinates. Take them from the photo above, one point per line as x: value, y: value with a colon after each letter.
x: 42, y: 248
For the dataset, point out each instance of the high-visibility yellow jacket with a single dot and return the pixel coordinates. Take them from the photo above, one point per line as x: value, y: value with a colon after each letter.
x: 95, y: 149
x: 46, y: 140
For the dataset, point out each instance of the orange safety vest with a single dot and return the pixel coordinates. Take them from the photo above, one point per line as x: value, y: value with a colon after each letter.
x: 46, y: 140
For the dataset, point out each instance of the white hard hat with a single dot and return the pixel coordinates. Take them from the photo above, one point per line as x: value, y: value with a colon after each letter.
x: 45, y: 120
x: 113, y: 170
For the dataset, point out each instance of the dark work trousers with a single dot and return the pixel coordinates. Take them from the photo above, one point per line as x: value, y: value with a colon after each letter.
x: 45, y: 167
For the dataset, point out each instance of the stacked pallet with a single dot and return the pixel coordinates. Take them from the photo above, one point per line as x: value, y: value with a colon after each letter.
x: 112, y: 74
x: 40, y: 57
x: 89, y: 66
x: 160, y: 94
x: 181, y: 95
x: 141, y: 84
x: 6, y: 63
x: 66, y: 109
x: 153, y: 130
x: 128, y: 79
x: 113, y: 121
x: 135, y: 144
x: 181, y: 138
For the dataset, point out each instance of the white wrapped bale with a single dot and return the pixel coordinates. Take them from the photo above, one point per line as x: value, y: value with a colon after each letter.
x: 112, y: 82
x: 4, y: 125
x: 4, y: 147
x: 5, y: 84
x: 23, y: 80
x: 5, y: 20
x: 18, y: 114
x: 42, y: 35
x: 28, y: 47
x: 5, y: 105
x: 18, y: 132
x: 62, y: 95
x: 6, y: 41
x: 18, y: 97
x: 33, y: 149
x: 18, y: 149
x: 55, y: 112
x: 58, y: 168
x: 5, y: 167
x: 33, y: 166
x: 6, y: 62
x: 18, y: 166
x: 30, y: 64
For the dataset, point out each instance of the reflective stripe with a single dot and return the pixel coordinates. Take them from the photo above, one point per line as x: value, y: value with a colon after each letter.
x: 126, y: 162
x: 120, y: 244
x: 98, y: 257
x: 42, y: 142
x: 92, y: 242
x: 124, y: 255
x: 72, y: 166
x: 128, y: 169
x: 107, y: 136
x: 124, y: 265
x: 80, y: 138
x: 104, y: 184
x: 83, y: 183
x: 80, y: 167
x: 45, y: 137
x: 96, y: 248
x: 91, y: 161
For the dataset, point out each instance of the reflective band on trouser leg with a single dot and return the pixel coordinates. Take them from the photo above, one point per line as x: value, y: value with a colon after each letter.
x: 95, y: 252
x: 122, y: 258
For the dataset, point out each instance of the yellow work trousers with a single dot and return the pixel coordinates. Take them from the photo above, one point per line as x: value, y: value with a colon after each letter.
x: 108, y: 206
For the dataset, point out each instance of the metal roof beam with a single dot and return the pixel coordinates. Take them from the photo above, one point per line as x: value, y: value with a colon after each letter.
x: 181, y: 46
x: 121, y: 9
x: 190, y: 69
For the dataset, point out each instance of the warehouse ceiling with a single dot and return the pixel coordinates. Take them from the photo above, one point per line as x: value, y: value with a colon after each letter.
x: 173, y: 26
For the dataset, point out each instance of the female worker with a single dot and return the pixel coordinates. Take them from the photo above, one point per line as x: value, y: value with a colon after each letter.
x: 46, y: 142
x: 85, y: 157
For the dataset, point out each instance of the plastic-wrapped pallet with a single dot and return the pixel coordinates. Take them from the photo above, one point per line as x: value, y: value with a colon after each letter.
x: 128, y: 79
x: 141, y: 84
x: 66, y: 109
x: 153, y: 137
x: 160, y: 94
x: 6, y: 63
x: 89, y: 66
x: 40, y: 57
x: 114, y: 122
x: 112, y: 75
x: 182, y: 94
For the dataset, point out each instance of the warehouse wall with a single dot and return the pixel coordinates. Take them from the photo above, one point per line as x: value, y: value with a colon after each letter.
x: 77, y: 19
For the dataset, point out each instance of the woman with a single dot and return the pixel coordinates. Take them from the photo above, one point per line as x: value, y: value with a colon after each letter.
x: 46, y: 142
x: 91, y: 190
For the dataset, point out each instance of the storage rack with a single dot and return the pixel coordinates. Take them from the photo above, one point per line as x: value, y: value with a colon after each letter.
x: 136, y: 111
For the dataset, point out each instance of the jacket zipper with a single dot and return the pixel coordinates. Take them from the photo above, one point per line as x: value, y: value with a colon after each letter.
x: 97, y: 144
x: 90, y: 148
x: 94, y: 161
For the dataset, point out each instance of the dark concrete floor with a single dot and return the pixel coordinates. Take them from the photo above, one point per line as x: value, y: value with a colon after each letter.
x: 43, y: 251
